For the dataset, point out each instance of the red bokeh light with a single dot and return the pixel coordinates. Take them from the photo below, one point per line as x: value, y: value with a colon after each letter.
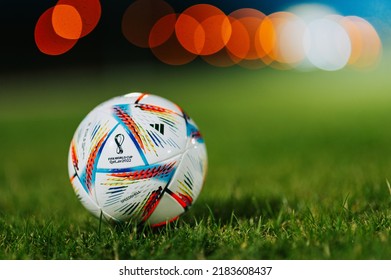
x: 47, y: 40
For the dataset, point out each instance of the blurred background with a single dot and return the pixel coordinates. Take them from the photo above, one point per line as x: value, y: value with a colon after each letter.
x: 284, y: 110
x: 38, y: 90
x: 106, y: 45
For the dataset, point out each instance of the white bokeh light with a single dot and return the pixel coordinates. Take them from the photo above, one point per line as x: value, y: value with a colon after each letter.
x: 327, y: 44
x: 311, y: 12
x: 290, y: 38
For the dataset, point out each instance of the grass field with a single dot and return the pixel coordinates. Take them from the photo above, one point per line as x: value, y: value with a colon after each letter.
x: 298, y: 165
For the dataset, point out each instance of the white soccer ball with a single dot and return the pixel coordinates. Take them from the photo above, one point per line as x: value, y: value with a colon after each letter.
x: 137, y: 158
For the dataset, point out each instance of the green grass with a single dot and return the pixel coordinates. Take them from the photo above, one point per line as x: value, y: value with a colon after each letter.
x: 298, y: 165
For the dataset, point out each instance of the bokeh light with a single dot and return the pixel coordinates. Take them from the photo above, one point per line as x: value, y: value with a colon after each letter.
x: 239, y: 43
x: 90, y: 12
x: 251, y: 19
x: 171, y: 51
x: 190, y: 34
x: 47, y: 40
x: 163, y: 29
x: 304, y: 37
x: 310, y: 12
x: 203, y: 29
x: 366, y: 43
x: 60, y: 27
x: 327, y: 44
x: 139, y: 19
x: 67, y: 22
x: 281, y: 35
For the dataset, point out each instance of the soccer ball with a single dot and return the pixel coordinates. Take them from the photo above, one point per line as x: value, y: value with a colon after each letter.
x: 137, y: 158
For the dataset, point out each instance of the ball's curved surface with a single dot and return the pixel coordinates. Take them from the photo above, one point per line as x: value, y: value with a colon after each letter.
x: 137, y: 158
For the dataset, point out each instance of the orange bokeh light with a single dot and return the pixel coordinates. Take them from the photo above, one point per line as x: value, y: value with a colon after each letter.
x: 47, y: 40
x: 90, y: 12
x: 251, y: 19
x: 366, y: 43
x: 203, y: 29
x: 163, y: 29
x: 217, y: 33
x: 167, y: 48
x: 239, y: 42
x: 190, y: 34
x: 281, y: 37
x: 67, y: 22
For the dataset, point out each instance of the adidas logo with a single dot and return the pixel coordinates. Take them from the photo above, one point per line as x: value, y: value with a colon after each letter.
x: 158, y: 127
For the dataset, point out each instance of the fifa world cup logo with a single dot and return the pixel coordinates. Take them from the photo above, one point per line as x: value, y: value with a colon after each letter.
x: 119, y: 140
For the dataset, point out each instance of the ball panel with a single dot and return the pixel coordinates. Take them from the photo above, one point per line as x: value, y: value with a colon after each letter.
x: 157, y: 101
x: 189, y: 178
x: 83, y: 136
x: 167, y: 209
x: 157, y: 134
x: 86, y: 199
x: 119, y: 151
x: 87, y: 145
x: 134, y: 192
x: 162, y: 132
x: 130, y: 98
